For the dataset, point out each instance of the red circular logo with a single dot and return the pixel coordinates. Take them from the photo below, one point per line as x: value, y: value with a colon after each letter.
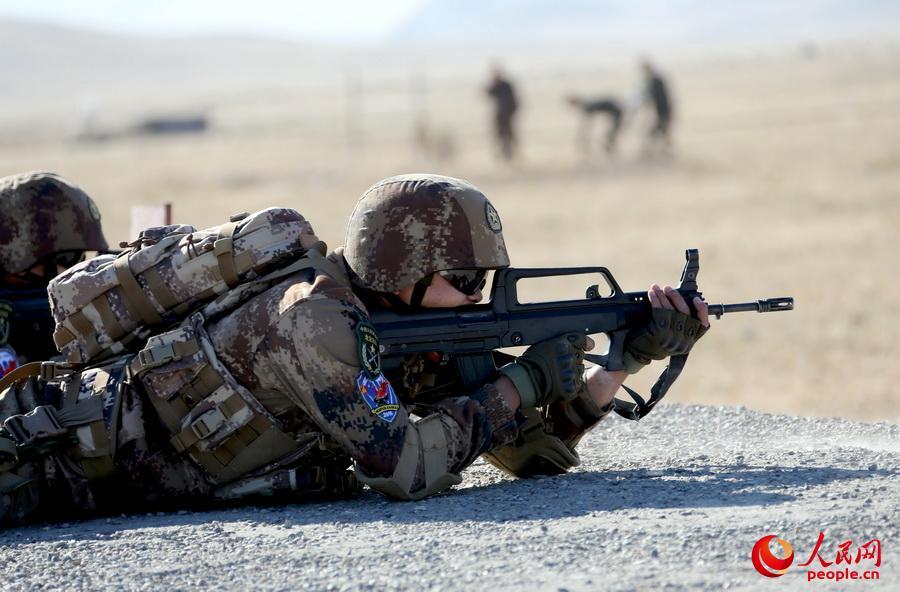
x: 766, y: 562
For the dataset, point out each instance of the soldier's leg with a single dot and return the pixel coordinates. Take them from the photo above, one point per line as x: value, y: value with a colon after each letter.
x: 615, y: 125
x: 505, y: 135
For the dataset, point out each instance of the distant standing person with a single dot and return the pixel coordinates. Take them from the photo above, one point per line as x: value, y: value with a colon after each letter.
x: 656, y: 94
x: 589, y: 108
x: 502, y: 93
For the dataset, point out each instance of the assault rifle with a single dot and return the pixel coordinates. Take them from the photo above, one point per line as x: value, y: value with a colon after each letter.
x: 467, y: 336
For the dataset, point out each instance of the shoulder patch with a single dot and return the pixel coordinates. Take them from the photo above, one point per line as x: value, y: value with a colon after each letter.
x: 5, y: 310
x: 8, y: 360
x: 492, y: 217
x: 379, y: 395
x: 369, y: 353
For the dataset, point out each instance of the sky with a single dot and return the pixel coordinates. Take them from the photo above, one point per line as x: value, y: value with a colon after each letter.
x: 326, y: 20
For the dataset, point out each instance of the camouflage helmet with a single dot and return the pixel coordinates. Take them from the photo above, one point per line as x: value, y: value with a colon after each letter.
x: 43, y: 214
x: 407, y: 227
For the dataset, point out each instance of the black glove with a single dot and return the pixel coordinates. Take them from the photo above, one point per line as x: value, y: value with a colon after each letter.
x: 668, y: 333
x: 549, y: 370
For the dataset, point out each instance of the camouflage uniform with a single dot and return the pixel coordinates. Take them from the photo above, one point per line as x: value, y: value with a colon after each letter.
x: 299, y: 347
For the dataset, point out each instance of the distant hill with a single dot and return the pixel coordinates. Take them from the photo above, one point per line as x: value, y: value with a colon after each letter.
x: 640, y: 22
x: 52, y: 74
x: 74, y: 59
x: 49, y: 72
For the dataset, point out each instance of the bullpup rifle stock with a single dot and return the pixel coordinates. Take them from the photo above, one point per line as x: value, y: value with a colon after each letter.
x: 467, y: 336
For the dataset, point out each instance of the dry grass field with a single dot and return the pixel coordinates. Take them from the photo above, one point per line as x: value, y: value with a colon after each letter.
x: 786, y: 176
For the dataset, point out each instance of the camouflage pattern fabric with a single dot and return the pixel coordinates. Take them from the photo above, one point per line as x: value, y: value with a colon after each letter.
x: 296, y: 348
x: 104, y: 304
x: 409, y: 226
x: 300, y: 348
x: 41, y: 214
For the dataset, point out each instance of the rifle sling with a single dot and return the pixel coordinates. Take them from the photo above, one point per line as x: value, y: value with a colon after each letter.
x: 638, y: 408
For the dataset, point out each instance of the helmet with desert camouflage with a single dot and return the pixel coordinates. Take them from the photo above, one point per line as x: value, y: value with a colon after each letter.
x: 42, y: 215
x: 407, y: 227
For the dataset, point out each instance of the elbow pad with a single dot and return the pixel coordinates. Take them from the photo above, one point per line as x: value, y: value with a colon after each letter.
x: 424, y: 453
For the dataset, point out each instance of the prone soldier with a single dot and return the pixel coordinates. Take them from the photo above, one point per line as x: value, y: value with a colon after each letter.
x: 281, y: 394
x: 46, y: 225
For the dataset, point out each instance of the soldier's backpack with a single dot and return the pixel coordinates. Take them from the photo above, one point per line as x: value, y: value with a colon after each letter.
x: 107, y: 305
x: 144, y: 311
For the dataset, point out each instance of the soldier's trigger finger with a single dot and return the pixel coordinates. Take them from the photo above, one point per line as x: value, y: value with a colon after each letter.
x: 677, y: 300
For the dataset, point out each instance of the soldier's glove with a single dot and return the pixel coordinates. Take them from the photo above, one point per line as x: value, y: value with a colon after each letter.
x: 668, y: 333
x: 549, y: 370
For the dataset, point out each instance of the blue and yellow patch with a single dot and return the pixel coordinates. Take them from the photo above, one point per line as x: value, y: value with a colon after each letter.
x: 379, y: 395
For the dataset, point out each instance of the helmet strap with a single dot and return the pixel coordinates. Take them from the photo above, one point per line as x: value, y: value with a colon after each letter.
x: 418, y: 293
x: 376, y: 299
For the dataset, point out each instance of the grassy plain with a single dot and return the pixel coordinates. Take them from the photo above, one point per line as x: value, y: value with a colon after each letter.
x: 786, y: 175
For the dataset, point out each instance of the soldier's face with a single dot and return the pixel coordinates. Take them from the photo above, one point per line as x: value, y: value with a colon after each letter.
x: 31, y: 277
x: 441, y: 294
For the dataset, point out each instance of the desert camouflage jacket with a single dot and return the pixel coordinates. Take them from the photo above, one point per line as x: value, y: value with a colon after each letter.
x: 300, y: 346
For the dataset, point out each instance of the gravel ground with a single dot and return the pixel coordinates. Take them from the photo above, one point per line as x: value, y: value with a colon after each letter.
x: 674, y: 502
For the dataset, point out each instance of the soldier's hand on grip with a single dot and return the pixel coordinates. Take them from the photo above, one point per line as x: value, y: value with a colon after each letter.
x: 549, y: 370
x: 671, y: 330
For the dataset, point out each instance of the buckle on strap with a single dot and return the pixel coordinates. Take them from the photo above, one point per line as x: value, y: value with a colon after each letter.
x: 54, y: 370
x: 207, y: 423
x: 40, y: 424
x: 153, y: 357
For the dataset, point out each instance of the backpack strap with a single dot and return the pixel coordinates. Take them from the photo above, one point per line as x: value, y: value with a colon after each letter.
x: 224, y: 251
x: 17, y: 375
x: 44, y: 370
x: 136, y: 301
x: 314, y: 258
